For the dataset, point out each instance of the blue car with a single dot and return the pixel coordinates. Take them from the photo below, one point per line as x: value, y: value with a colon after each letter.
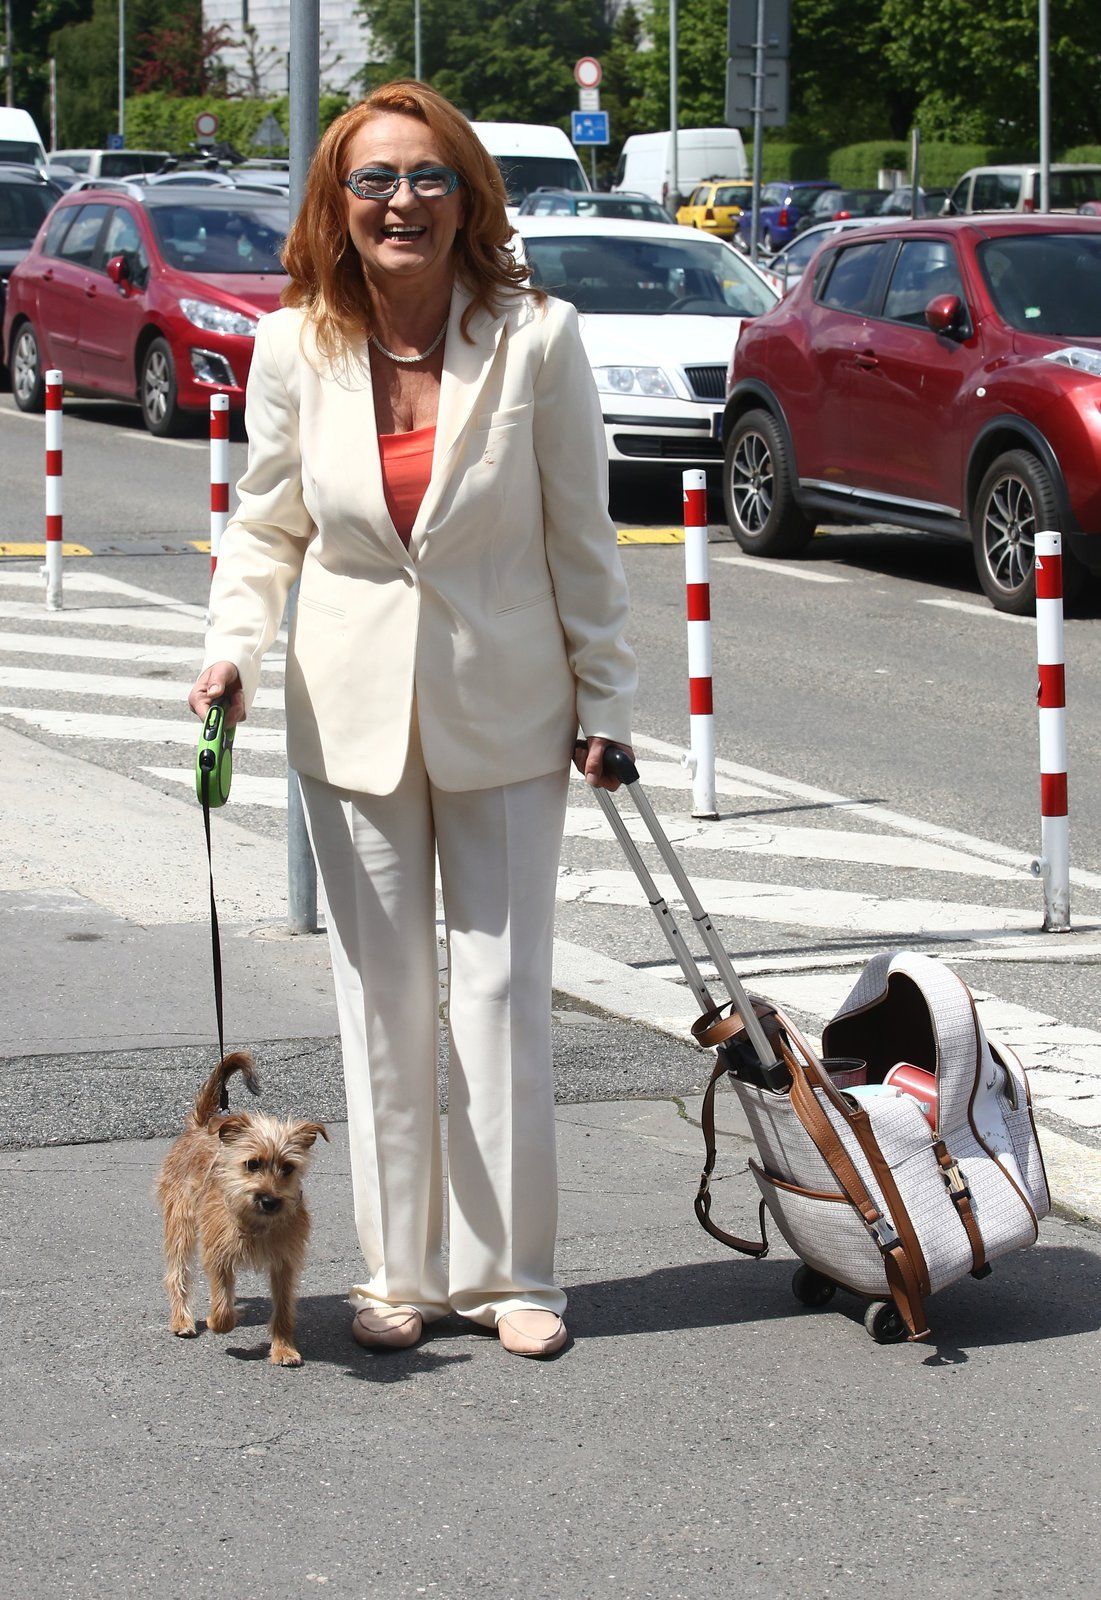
x: 782, y: 204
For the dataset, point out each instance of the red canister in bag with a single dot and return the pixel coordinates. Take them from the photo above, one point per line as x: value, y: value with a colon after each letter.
x: 918, y: 1083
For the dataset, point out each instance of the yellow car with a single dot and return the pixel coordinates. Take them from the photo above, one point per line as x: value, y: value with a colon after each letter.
x: 715, y: 206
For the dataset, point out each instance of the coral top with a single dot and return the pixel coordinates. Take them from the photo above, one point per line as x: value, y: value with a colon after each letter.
x: 406, y: 468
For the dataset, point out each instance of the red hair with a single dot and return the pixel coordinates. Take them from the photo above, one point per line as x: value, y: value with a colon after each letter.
x: 326, y: 273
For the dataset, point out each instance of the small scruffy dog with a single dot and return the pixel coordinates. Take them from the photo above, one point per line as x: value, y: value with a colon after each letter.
x: 234, y: 1184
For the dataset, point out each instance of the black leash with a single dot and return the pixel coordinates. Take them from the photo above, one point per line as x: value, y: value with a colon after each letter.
x: 215, y: 939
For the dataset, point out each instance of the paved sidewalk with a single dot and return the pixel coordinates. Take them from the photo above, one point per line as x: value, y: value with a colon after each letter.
x: 702, y: 1435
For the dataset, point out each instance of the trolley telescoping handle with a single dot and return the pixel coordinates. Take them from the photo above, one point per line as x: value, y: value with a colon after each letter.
x: 618, y: 764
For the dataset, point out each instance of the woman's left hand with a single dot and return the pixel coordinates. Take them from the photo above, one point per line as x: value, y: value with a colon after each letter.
x: 589, y: 761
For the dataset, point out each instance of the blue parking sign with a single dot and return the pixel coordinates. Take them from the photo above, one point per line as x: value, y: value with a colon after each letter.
x: 115, y: 141
x: 589, y: 127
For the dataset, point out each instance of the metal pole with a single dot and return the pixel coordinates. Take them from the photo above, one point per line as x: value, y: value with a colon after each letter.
x: 305, y: 73
x: 53, y: 103
x: 8, y: 47
x: 758, y: 124
x: 122, y: 70
x: 915, y: 172
x: 417, y: 61
x: 673, y: 113
x: 592, y: 162
x: 1045, y: 111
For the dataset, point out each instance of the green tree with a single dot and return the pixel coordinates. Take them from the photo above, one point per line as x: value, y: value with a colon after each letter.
x: 33, y: 22
x: 87, y: 65
x: 497, y: 60
x: 974, y: 70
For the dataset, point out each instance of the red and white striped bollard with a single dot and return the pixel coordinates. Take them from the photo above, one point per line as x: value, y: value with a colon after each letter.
x: 53, y: 490
x: 1051, y: 696
x: 219, y: 473
x: 701, y: 718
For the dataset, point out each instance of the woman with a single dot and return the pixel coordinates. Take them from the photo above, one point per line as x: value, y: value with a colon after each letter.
x: 426, y: 452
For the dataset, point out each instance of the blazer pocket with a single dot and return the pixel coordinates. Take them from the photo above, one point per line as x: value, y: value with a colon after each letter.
x: 308, y: 603
x: 487, y: 420
x: 524, y: 605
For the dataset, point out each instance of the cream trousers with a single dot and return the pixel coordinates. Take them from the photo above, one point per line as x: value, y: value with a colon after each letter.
x: 498, y: 860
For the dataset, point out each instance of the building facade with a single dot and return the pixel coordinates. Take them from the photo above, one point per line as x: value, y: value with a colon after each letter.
x: 259, y: 59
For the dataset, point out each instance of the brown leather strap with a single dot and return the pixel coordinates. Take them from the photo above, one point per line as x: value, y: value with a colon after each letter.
x: 748, y: 1247
x: 903, y: 1279
x: 960, y: 1196
x: 713, y: 1028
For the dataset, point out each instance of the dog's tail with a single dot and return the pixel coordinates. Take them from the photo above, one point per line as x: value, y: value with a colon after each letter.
x: 209, y: 1100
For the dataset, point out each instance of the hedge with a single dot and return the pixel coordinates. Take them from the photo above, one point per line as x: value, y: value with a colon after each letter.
x: 1083, y: 152
x: 160, y: 121
x: 786, y: 158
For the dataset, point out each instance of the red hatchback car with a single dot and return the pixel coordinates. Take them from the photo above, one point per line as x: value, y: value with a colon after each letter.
x: 942, y: 375
x: 146, y: 293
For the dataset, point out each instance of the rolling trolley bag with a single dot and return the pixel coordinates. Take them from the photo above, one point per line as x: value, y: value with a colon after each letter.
x: 902, y: 1157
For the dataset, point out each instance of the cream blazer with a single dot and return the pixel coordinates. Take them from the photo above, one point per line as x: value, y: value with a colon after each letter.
x: 504, y: 620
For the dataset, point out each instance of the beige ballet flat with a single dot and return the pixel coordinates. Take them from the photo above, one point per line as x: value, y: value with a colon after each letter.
x: 531, y: 1332
x: 396, y: 1327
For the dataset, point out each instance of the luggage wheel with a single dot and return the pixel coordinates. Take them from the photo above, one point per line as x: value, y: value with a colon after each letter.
x: 883, y: 1322
x: 810, y: 1288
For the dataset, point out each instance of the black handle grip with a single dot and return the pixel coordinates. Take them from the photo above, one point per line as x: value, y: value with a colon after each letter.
x: 617, y: 763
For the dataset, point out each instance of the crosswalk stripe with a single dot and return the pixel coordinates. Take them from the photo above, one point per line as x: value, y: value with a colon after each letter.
x: 134, y: 730
x: 977, y: 611
x: 247, y: 789
x: 839, y: 910
x: 55, y: 644
x: 784, y: 569
x: 44, y: 679
x: 147, y: 620
x: 804, y: 844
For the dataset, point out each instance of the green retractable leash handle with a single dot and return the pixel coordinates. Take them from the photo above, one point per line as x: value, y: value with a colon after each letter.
x: 213, y: 776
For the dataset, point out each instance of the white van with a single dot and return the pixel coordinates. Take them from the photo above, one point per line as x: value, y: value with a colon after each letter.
x: 19, y: 141
x: 646, y: 164
x: 531, y: 155
x: 111, y: 163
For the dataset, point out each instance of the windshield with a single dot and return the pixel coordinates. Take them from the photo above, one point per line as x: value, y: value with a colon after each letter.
x: 22, y: 209
x: 805, y: 198
x: 1047, y: 283
x: 626, y: 209
x: 1069, y: 190
x: 797, y: 254
x: 522, y: 174
x: 206, y: 238
x: 22, y: 153
x: 649, y: 277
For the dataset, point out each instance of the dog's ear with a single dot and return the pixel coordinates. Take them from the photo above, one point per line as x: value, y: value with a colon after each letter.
x: 231, y: 1128
x: 305, y: 1134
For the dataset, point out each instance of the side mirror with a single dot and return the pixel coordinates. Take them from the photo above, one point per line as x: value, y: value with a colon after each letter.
x: 946, y: 314
x: 118, y: 270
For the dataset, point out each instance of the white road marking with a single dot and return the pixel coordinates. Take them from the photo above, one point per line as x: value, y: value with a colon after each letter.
x: 977, y: 611
x: 80, y: 580
x: 897, y: 820
x: 672, y: 775
x: 117, y: 687
x: 54, y: 644
x: 133, y: 730
x: 247, y: 789
x: 838, y: 910
x: 148, y: 619
x: 783, y: 568
x: 805, y: 844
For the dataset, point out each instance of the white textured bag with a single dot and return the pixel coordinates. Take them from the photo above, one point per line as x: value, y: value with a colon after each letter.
x: 866, y: 1192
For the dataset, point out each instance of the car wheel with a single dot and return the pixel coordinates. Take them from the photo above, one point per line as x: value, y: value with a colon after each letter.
x: 757, y: 489
x: 28, y: 381
x: 1015, y: 500
x: 159, y: 407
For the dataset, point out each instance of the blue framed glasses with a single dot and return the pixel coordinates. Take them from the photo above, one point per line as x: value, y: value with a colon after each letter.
x: 382, y: 183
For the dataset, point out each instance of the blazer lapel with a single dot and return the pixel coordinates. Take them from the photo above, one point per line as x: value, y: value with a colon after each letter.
x: 359, y: 445
x: 465, y: 369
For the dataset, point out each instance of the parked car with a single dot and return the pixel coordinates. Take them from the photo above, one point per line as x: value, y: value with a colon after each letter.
x: 897, y: 202
x: 782, y: 205
x: 943, y: 376
x: 660, y: 310
x: 715, y: 206
x: 1017, y: 188
x: 110, y: 163
x: 146, y: 293
x: 25, y: 199
x: 566, y: 203
x: 19, y: 140
x: 1091, y: 208
x: 838, y: 205
x: 647, y: 162
x: 788, y: 265
x: 531, y: 155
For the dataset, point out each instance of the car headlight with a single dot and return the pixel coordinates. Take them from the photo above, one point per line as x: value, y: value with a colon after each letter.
x: 1078, y: 357
x: 634, y: 380
x: 217, y: 319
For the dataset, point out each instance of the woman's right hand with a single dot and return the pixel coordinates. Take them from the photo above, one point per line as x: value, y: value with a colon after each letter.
x: 222, y: 682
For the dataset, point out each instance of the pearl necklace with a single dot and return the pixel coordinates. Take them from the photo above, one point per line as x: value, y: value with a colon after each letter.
x: 408, y: 361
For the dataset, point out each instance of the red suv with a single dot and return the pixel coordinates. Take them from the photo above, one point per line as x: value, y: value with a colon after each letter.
x: 145, y: 293
x: 939, y: 375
